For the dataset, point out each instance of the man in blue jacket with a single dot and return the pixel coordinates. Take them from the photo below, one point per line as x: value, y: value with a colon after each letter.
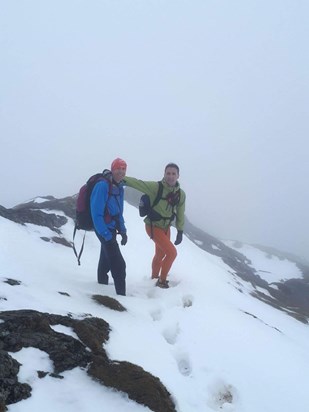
x: 106, y: 204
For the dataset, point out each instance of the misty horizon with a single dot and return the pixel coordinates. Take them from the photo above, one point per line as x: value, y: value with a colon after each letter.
x: 221, y: 89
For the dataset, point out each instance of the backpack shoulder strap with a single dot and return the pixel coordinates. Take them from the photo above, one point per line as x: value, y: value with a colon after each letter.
x: 159, y: 194
x: 107, y: 176
x: 178, y: 194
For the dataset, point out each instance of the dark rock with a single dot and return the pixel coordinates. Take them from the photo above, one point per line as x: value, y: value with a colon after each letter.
x: 42, y: 374
x: 93, y: 332
x: 36, y: 217
x: 12, y: 282
x: 3, y: 408
x: 56, y: 375
x: 61, y: 241
x: 293, y: 293
x: 57, y: 239
x: 109, y: 302
x: 64, y: 293
x: 140, y: 385
x: 66, y: 205
x: 11, y: 391
x: 296, y: 314
x: 29, y: 328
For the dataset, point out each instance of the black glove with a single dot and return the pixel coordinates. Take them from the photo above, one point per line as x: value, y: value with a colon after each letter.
x: 178, y: 237
x: 124, y: 238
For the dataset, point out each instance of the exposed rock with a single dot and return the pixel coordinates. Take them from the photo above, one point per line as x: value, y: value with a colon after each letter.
x: 36, y: 217
x: 292, y: 296
x: 12, y: 282
x: 11, y: 391
x: 296, y: 313
x: 133, y: 380
x: 29, y: 328
x: 109, y: 302
x: 42, y: 374
x: 61, y: 241
x: 293, y: 293
x: 64, y: 294
x: 3, y: 408
x: 56, y: 239
x: 67, y: 205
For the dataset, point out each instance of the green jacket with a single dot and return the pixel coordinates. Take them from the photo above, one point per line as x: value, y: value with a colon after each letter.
x: 163, y: 208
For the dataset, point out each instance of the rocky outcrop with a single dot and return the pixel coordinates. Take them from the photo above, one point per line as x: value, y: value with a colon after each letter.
x: 66, y: 205
x: 109, y: 303
x: 11, y: 391
x: 291, y: 296
x: 28, y: 328
x: 36, y: 217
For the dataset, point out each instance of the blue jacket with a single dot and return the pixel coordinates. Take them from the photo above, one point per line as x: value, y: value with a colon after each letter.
x: 99, y: 200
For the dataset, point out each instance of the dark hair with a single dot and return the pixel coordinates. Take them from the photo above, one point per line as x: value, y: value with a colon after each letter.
x: 172, y: 165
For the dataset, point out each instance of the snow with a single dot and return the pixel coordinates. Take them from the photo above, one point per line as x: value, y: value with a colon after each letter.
x: 65, y: 330
x: 38, y: 199
x: 214, y: 346
x: 269, y: 267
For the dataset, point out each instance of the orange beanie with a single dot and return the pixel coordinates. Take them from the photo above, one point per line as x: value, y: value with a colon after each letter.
x: 118, y: 164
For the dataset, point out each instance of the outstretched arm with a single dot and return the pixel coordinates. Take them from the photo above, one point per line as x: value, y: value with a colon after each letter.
x: 148, y: 187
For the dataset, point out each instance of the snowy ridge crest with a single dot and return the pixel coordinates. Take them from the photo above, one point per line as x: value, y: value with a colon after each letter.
x: 231, y: 318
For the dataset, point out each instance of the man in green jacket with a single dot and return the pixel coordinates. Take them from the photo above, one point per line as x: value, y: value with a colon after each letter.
x: 169, y: 206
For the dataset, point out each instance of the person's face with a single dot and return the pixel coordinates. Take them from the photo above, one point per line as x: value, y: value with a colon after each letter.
x: 171, y: 176
x: 119, y: 174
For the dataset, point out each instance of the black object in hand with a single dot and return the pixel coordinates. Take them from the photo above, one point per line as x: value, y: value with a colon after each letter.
x: 124, y: 239
x: 178, y: 237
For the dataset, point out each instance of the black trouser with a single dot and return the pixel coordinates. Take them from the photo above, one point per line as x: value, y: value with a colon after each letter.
x: 112, y: 260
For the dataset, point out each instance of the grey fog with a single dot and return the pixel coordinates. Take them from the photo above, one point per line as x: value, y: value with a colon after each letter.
x: 218, y: 87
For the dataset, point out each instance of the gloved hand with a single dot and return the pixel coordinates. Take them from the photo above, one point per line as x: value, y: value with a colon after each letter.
x: 178, y: 237
x: 124, y: 238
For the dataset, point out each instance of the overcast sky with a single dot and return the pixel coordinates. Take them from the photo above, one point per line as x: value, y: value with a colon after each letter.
x: 219, y: 87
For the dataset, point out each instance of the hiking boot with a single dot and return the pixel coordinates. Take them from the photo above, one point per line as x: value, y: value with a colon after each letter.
x: 162, y: 284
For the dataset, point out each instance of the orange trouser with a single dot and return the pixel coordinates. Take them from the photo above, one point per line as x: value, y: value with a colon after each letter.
x: 165, y: 251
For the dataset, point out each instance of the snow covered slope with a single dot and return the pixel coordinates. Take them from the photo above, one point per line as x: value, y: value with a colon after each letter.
x: 210, y: 342
x: 269, y: 267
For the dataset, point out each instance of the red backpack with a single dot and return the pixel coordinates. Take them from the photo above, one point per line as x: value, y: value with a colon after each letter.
x: 83, y: 219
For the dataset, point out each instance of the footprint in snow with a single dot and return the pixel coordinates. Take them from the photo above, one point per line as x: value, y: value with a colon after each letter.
x: 156, y: 315
x: 183, y: 363
x: 173, y: 283
x: 170, y: 334
x: 187, y: 301
x: 222, y: 397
